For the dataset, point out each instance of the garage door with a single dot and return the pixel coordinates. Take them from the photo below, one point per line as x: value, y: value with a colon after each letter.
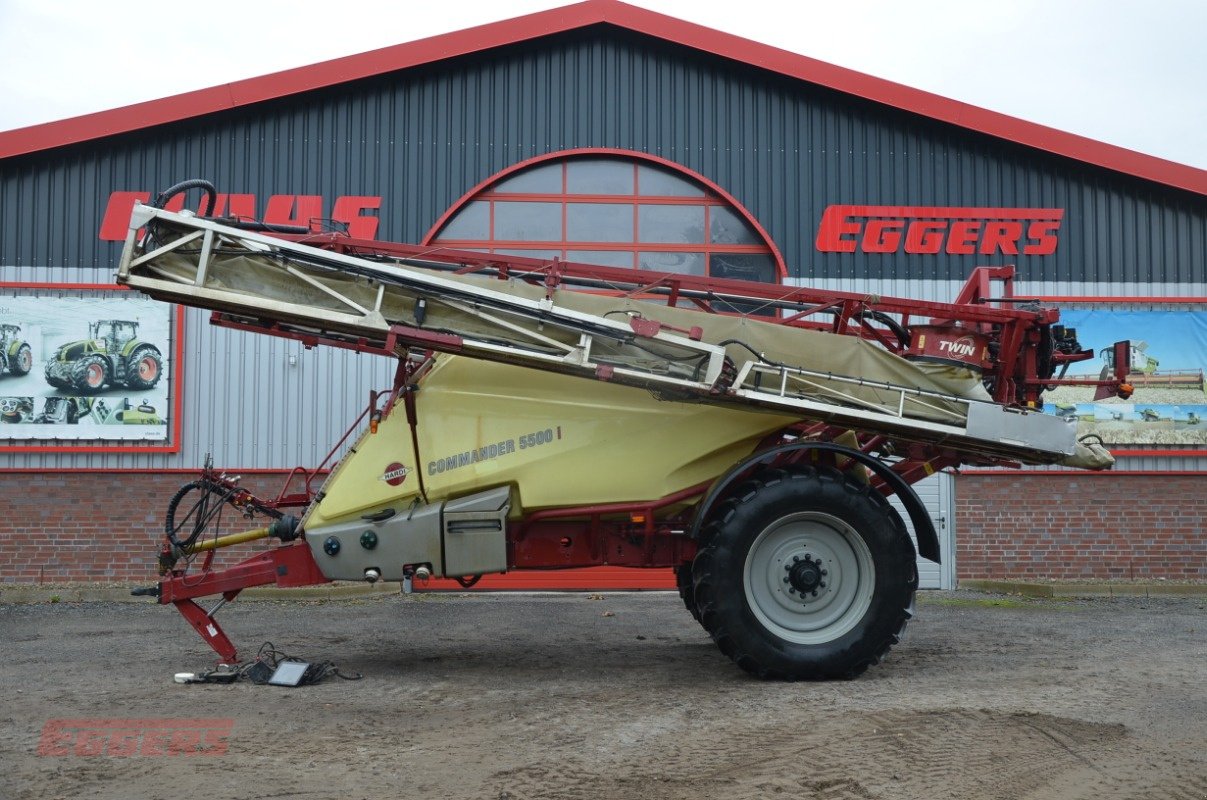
x: 935, y: 492
x: 936, y: 495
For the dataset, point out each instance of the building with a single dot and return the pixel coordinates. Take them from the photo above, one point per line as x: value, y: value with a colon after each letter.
x: 527, y: 136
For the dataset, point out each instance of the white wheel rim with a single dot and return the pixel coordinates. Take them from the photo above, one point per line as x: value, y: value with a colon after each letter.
x: 849, y: 582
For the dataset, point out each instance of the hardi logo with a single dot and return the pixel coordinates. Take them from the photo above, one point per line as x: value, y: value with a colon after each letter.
x: 395, y: 474
x: 929, y: 230
x: 281, y: 209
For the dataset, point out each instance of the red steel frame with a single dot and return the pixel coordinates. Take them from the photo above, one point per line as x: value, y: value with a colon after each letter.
x: 177, y: 380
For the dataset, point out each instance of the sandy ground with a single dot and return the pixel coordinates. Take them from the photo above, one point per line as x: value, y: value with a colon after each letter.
x: 563, y: 696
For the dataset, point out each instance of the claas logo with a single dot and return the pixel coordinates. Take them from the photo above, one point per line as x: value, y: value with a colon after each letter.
x: 357, y: 212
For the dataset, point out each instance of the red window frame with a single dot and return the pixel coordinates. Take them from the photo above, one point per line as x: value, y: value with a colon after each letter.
x: 713, y: 197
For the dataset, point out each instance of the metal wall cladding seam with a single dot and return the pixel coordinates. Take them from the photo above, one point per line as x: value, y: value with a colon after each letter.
x: 421, y: 138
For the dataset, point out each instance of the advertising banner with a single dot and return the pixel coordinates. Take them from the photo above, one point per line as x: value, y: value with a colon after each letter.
x: 1168, y: 355
x: 84, y: 365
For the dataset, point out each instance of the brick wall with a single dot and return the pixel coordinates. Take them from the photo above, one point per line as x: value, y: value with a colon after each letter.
x: 108, y: 527
x: 1081, y: 526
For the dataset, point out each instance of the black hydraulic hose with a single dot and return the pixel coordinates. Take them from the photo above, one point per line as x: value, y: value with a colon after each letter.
x: 201, y: 512
x: 884, y: 319
x: 211, y: 194
x: 762, y: 358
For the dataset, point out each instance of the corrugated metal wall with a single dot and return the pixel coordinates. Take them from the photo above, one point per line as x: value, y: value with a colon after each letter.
x: 422, y: 138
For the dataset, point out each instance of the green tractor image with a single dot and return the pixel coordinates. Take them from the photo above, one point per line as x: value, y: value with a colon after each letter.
x: 112, y: 355
x: 16, y: 356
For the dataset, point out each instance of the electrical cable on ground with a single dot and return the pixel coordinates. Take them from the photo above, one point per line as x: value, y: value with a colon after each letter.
x: 261, y: 668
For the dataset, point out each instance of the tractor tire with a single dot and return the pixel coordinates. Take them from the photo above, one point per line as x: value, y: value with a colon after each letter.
x: 54, y: 380
x: 143, y: 368
x: 90, y: 374
x: 23, y: 361
x: 805, y: 575
x: 687, y: 593
x: 683, y: 573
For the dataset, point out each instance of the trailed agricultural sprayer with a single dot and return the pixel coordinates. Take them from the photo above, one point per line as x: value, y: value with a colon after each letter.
x: 548, y: 415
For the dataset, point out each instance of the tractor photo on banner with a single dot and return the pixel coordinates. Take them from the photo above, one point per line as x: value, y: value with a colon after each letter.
x: 1168, y: 354
x: 81, y: 365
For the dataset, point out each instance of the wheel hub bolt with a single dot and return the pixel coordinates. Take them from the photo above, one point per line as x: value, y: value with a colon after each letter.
x: 805, y: 576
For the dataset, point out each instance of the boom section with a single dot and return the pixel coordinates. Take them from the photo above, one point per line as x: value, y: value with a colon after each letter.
x: 392, y: 304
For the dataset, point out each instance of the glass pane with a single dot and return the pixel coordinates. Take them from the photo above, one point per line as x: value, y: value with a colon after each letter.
x: 543, y: 179
x: 528, y: 222
x: 599, y: 176
x: 471, y: 222
x: 599, y: 222
x: 727, y: 227
x: 656, y: 182
x: 542, y: 254
x: 670, y: 224
x: 682, y: 263
x: 743, y: 266
x: 604, y: 258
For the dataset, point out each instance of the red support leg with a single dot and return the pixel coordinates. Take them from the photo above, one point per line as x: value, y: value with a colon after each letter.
x: 209, y: 629
x: 291, y: 565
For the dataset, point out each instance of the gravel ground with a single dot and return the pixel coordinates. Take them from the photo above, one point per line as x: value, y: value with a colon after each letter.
x: 624, y: 696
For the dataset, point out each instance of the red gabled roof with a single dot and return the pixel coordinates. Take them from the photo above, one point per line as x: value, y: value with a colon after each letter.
x: 591, y: 12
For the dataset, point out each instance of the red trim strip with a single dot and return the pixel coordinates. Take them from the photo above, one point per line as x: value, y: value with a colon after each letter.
x: 37, y: 138
x: 620, y: 247
x: 144, y: 471
x: 1047, y: 473
x: 579, y: 579
x: 109, y: 287
x: 1122, y: 299
x: 952, y: 212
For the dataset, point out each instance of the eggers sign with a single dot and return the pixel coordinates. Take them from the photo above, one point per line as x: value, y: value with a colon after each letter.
x: 926, y: 229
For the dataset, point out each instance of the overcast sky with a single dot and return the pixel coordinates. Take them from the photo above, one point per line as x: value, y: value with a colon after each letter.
x: 1122, y: 71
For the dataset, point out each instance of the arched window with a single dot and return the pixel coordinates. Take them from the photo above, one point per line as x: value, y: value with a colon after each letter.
x: 612, y: 208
